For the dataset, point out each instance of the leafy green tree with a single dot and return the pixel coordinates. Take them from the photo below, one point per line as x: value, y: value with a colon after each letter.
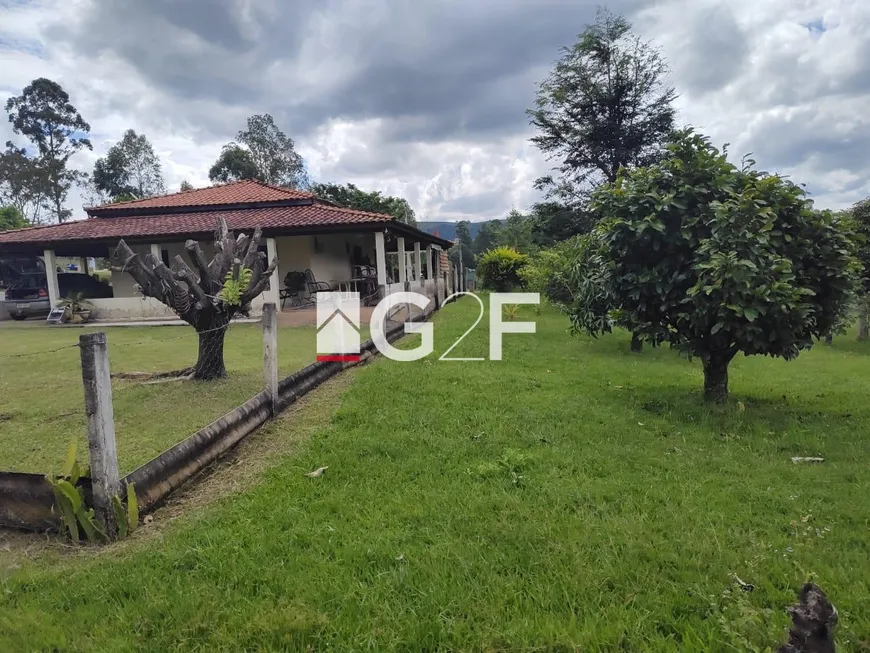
x: 516, y: 232
x: 44, y: 114
x: 130, y: 169
x: 488, y: 236
x: 553, y: 222
x: 858, y: 220
x: 549, y: 271
x: 605, y: 105
x: 11, y: 218
x: 23, y: 183
x: 185, y: 186
x: 351, y: 197
x: 262, y: 152
x: 718, y: 260
x: 463, y: 232
x: 468, y: 258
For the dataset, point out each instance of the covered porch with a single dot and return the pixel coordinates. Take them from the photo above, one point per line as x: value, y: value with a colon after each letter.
x: 318, y: 246
x: 373, y: 263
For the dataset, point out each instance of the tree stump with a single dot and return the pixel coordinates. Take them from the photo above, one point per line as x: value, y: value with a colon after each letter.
x: 814, y: 619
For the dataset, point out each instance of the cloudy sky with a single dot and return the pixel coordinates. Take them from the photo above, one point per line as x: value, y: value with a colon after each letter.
x: 427, y: 98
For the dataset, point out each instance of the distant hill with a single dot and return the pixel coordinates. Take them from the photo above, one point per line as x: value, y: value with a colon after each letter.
x: 447, y: 229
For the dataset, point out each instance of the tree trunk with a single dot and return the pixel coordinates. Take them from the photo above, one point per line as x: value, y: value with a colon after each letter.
x: 210, y: 364
x: 863, y: 322
x: 829, y: 339
x: 636, y: 344
x: 716, y: 376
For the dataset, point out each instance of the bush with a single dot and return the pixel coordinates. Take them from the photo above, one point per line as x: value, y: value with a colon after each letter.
x: 548, y: 271
x: 499, y: 269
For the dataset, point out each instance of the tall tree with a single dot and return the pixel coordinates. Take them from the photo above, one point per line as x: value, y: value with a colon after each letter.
x: 11, y: 218
x: 351, y: 197
x: 605, y: 105
x: 554, y: 222
x: 488, y: 236
x: 859, y: 221
x: 23, y: 183
x: 130, y: 169
x: 517, y: 232
x: 44, y: 114
x: 262, y: 152
x: 717, y: 260
x: 463, y: 232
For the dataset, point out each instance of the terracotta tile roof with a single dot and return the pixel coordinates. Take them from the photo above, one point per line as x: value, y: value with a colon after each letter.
x: 246, y: 191
x: 199, y: 222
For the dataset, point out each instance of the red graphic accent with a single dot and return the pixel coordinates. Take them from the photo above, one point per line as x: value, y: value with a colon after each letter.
x: 339, y: 358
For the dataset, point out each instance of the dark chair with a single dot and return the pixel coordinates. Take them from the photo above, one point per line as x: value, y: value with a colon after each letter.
x: 294, y: 289
x: 315, y: 286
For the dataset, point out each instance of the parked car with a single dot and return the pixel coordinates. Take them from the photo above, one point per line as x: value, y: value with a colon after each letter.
x: 28, y: 296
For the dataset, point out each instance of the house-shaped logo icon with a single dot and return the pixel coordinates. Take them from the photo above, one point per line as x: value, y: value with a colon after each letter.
x: 338, y: 326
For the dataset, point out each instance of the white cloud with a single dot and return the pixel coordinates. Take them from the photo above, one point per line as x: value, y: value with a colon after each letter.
x: 428, y: 103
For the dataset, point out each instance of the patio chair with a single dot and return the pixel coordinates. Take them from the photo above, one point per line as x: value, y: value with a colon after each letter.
x: 315, y: 286
x: 294, y: 290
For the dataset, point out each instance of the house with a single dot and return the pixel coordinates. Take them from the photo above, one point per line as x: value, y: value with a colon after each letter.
x: 301, y: 230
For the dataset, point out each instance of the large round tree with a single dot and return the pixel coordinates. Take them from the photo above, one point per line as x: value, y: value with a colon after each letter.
x: 718, y: 260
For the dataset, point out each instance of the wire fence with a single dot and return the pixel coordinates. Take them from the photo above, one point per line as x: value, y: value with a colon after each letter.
x: 157, y: 399
x: 156, y: 403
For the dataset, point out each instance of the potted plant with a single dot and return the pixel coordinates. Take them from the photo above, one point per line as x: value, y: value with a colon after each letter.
x: 78, y: 309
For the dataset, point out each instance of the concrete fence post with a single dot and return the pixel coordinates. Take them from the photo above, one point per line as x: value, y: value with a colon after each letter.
x: 97, y: 383
x: 270, y: 352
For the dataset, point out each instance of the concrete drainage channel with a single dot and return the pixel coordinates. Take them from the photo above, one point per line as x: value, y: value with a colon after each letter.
x: 27, y: 501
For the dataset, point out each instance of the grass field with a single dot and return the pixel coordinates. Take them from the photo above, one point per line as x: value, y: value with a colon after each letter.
x: 570, y: 497
x: 41, y: 401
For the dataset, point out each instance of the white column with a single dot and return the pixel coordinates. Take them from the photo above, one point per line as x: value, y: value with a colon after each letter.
x: 51, y: 276
x: 381, y: 259
x: 155, y: 251
x: 273, y: 294
x: 418, y: 263
x: 403, y: 263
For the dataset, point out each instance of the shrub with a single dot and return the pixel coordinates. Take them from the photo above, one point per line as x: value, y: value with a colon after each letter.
x: 499, y: 269
x: 548, y: 271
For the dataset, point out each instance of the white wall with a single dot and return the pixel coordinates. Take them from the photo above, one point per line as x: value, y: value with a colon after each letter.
x: 4, y: 314
x: 331, y: 261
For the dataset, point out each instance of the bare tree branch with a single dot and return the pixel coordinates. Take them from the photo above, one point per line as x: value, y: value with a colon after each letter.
x: 198, y: 258
x: 258, y: 285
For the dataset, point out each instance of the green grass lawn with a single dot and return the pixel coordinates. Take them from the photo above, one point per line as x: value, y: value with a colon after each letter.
x: 42, y: 405
x: 570, y: 497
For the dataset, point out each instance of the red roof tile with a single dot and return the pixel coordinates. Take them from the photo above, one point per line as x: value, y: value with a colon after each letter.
x: 246, y: 191
x: 178, y: 224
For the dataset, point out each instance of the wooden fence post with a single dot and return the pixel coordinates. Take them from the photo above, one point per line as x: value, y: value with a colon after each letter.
x: 270, y: 353
x: 97, y: 383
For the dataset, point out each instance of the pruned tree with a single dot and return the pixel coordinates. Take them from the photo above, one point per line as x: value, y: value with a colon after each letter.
x: 605, y: 105
x: 209, y: 297
x: 717, y: 260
